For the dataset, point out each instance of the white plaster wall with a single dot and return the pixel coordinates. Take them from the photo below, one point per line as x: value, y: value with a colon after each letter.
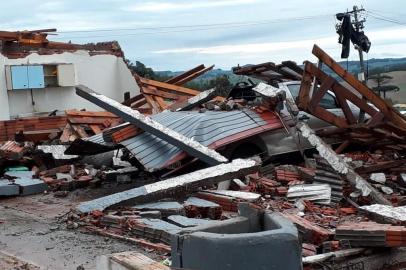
x: 4, y: 106
x: 106, y: 74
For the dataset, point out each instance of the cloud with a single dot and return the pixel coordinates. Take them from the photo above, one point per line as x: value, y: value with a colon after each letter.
x: 252, y: 47
x: 383, y: 36
x: 160, y: 6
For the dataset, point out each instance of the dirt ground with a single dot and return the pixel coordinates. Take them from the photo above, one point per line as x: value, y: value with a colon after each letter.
x: 31, y: 230
x: 12, y: 262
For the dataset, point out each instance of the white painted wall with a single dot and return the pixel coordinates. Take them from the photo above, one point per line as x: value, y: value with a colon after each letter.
x: 106, y: 74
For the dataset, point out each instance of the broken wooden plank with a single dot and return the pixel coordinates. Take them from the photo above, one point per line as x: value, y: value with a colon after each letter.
x: 138, y: 103
x: 178, y: 185
x: 346, y: 109
x: 324, y: 87
x: 196, y: 100
x: 155, y: 92
x: 312, y: 70
x: 80, y: 131
x: 147, y: 124
x: 152, y: 103
x: 130, y: 101
x: 341, y: 166
x: 161, y: 103
x: 193, y: 76
x: 90, y: 114
x: 168, y: 86
x: 304, y: 92
x: 89, y: 120
x: 370, y: 95
x: 185, y: 74
x: 67, y: 134
x: 293, y: 66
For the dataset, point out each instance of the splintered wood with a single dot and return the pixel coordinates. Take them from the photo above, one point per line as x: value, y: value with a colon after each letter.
x: 385, y: 126
x: 83, y: 124
x: 157, y: 96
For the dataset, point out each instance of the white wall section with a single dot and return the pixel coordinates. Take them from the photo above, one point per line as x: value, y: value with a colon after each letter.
x: 107, y: 74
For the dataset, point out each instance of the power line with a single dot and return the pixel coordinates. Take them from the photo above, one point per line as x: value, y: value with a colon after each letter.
x: 386, y: 12
x: 186, y: 28
x: 384, y: 18
x: 196, y: 25
x: 157, y: 32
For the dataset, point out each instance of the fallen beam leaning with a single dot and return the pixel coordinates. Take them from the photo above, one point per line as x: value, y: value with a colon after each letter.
x: 168, y: 188
x: 340, y: 165
x: 196, y: 100
x: 147, y: 124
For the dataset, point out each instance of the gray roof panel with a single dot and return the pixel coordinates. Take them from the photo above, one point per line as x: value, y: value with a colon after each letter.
x: 206, y: 128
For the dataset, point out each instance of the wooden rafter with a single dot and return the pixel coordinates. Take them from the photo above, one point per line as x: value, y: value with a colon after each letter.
x: 389, y: 112
x: 385, y: 125
x: 159, y: 96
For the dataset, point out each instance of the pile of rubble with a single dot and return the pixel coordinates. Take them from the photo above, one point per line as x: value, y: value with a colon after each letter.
x: 173, y: 143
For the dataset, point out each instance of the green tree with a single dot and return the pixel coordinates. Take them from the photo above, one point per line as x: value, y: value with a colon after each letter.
x: 221, y: 83
x: 141, y: 69
x: 381, y: 81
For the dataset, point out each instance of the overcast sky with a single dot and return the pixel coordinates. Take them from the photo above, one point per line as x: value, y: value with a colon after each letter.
x: 224, y: 32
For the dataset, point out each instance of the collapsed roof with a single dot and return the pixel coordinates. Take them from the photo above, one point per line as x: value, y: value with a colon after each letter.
x: 19, y: 44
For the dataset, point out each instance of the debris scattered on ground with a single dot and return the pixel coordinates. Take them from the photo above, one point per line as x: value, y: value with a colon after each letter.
x: 171, y: 144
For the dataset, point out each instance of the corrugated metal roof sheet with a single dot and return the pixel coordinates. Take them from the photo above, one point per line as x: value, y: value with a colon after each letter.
x: 206, y: 128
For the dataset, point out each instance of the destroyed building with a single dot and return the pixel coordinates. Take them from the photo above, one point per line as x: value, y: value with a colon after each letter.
x: 195, y: 180
x: 38, y: 76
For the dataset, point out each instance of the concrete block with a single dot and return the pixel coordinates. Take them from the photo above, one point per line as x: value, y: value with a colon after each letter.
x: 184, y: 222
x: 20, y: 174
x: 26, y: 183
x: 8, y: 189
x: 235, y: 244
x: 174, y: 186
x: 165, y: 208
x: 150, y: 214
x: 378, y: 178
x: 31, y: 186
x: 200, y: 202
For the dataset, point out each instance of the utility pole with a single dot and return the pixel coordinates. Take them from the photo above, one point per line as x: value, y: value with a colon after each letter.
x: 359, y: 25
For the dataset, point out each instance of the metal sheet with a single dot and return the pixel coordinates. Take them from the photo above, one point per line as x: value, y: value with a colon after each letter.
x: 162, y: 131
x: 206, y: 128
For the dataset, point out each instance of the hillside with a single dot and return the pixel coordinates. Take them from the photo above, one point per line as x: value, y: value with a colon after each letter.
x: 373, y: 65
x: 399, y: 79
x: 395, y: 67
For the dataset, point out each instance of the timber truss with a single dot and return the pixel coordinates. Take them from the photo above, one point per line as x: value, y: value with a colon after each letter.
x: 385, y: 126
